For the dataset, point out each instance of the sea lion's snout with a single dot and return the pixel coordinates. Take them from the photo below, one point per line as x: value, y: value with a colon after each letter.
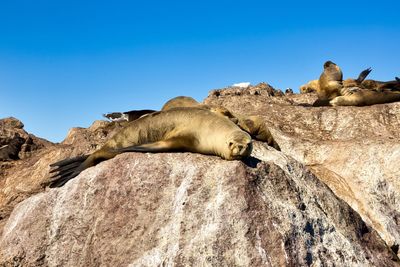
x: 240, y: 148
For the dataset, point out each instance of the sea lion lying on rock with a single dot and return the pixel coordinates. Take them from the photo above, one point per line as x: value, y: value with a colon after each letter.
x: 254, y: 125
x: 350, y: 93
x: 188, y: 129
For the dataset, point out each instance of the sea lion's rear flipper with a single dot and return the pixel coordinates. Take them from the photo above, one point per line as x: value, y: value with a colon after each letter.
x: 128, y: 116
x: 64, y: 170
x: 136, y: 114
x: 363, y: 75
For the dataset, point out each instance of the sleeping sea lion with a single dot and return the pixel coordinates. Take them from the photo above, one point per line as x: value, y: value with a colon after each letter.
x: 380, y: 85
x: 251, y: 124
x: 311, y: 86
x: 365, y: 97
x: 180, y: 129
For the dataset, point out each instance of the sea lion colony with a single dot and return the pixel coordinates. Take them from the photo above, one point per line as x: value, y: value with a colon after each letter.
x: 332, y: 90
x: 183, y: 124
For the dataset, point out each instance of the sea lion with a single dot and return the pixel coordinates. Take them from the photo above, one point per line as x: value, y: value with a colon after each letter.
x: 365, y: 97
x: 393, y: 85
x: 127, y: 116
x: 251, y: 124
x: 360, y: 82
x: 176, y: 102
x: 357, y: 82
x: 180, y: 129
x: 311, y: 86
x: 330, y: 82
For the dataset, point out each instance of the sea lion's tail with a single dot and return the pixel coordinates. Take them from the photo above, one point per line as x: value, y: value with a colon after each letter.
x: 64, y: 170
x: 116, y: 116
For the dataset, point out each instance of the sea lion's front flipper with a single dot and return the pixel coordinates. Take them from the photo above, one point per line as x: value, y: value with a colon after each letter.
x: 169, y: 145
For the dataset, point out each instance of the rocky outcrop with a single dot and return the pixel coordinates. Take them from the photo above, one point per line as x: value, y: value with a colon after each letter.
x: 354, y: 150
x: 329, y: 198
x: 22, y: 178
x: 176, y: 210
x: 15, y: 142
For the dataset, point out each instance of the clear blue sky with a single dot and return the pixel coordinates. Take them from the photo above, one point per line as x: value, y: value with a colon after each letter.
x: 64, y: 63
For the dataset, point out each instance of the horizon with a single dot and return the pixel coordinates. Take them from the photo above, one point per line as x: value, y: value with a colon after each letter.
x: 64, y: 64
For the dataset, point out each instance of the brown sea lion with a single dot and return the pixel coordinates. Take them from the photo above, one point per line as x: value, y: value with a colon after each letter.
x: 330, y: 83
x: 380, y: 85
x: 251, y: 124
x: 357, y: 82
x: 365, y: 97
x: 180, y: 129
x: 311, y: 86
x: 360, y: 82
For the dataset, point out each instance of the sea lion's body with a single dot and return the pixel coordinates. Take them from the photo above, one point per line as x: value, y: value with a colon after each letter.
x: 336, y: 92
x: 330, y: 82
x: 179, y: 102
x: 380, y: 85
x: 365, y: 97
x: 179, y: 129
x: 253, y: 125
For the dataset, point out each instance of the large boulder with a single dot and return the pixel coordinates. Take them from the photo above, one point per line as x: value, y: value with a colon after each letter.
x: 185, y: 209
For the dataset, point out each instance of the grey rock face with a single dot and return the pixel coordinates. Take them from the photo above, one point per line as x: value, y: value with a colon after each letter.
x: 191, y: 210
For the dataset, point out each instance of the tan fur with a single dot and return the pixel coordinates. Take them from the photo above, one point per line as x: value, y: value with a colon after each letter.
x: 330, y: 82
x: 180, y: 101
x: 254, y: 125
x: 179, y: 129
x: 365, y: 97
x: 311, y: 86
x: 380, y: 86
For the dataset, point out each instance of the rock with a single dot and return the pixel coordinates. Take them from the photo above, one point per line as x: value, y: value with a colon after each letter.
x: 22, y: 178
x: 354, y: 150
x: 15, y: 142
x: 174, y: 210
x: 259, y: 89
x: 329, y: 198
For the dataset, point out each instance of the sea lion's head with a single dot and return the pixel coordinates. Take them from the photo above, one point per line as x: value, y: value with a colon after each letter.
x: 329, y: 64
x: 239, y: 145
x: 311, y: 86
x: 332, y: 72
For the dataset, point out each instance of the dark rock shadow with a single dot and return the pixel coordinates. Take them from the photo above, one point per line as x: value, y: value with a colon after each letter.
x: 251, y: 162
